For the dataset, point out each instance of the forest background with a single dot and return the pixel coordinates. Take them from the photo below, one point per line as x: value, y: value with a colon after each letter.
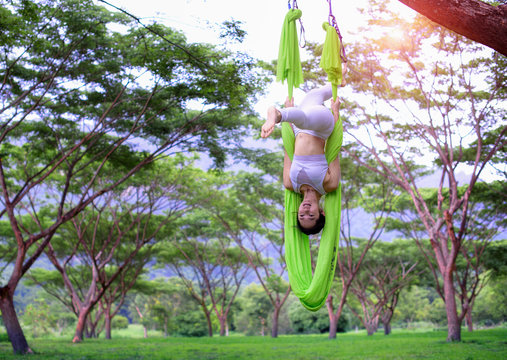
x: 136, y: 189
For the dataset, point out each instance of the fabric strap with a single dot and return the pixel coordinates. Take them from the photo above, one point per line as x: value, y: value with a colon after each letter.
x: 289, y: 64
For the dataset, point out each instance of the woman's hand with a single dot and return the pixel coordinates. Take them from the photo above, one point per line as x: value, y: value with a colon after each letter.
x: 335, y: 107
x: 289, y: 102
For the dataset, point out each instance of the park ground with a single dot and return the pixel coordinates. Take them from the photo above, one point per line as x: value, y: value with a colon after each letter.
x: 401, y: 344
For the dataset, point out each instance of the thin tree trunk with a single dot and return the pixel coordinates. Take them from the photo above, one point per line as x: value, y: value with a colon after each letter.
x: 334, y: 317
x: 222, y: 320
x: 208, y: 320
x: 107, y: 319
x: 387, y: 328
x: 274, y: 326
x: 11, y: 323
x: 386, y: 321
x: 470, y: 324
x: 453, y: 322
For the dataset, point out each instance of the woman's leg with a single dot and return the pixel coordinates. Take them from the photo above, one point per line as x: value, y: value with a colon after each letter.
x: 311, y: 114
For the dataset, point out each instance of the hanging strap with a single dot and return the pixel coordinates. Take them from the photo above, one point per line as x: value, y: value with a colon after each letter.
x: 312, y: 291
x: 332, y: 21
x: 289, y: 63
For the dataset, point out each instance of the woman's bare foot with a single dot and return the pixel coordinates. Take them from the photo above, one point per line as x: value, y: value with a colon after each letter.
x: 273, y: 118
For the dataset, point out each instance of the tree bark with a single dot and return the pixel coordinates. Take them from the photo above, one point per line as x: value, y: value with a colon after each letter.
x: 222, y: 320
x: 371, y: 325
x: 474, y: 19
x: 470, y: 324
x: 81, y: 323
x: 453, y: 322
x: 386, y: 321
x: 387, y: 328
x: 11, y: 323
x: 208, y: 320
x: 107, y: 319
x: 274, y: 325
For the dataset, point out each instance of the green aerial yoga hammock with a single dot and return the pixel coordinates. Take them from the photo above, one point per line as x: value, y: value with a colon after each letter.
x: 311, y: 290
x: 289, y: 64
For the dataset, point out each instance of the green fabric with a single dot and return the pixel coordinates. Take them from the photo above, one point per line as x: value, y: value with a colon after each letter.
x: 330, y: 61
x: 289, y: 63
x: 312, y: 291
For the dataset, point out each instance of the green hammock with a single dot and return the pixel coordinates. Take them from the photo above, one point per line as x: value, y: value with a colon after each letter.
x: 331, y: 61
x: 312, y: 291
x: 289, y: 64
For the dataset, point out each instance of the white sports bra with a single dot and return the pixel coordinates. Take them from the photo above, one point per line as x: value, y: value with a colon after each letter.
x: 310, y: 170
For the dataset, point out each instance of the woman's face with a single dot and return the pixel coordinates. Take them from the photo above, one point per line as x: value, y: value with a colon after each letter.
x: 308, y: 214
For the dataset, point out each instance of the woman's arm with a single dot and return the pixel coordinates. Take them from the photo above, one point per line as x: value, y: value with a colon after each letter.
x: 332, y: 178
x: 287, y: 163
x: 335, y: 108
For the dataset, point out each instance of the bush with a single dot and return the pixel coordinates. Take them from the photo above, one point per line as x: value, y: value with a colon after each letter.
x: 308, y: 322
x: 192, y: 324
x: 120, y: 322
x: 4, y: 337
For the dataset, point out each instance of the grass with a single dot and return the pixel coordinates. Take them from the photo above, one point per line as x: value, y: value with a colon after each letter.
x: 478, y: 345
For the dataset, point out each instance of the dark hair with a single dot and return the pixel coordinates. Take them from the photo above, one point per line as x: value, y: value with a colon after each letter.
x: 321, y: 221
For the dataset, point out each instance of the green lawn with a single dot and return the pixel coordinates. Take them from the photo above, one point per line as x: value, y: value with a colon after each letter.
x: 481, y: 344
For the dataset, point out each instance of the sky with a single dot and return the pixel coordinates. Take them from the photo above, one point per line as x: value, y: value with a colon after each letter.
x: 262, y: 20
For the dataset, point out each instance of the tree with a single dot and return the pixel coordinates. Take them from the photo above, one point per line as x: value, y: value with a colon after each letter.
x: 114, y: 237
x: 387, y: 269
x: 249, y: 208
x: 367, y: 194
x: 80, y: 100
x: 477, y: 20
x: 445, y: 101
x: 255, y: 310
x: 208, y: 262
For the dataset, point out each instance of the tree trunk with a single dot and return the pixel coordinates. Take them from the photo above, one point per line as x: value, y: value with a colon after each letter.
x: 386, y: 321
x: 210, y: 325
x: 80, y: 327
x: 371, y: 327
x: 274, y: 326
x: 453, y: 322
x: 387, y: 328
x: 470, y: 324
x: 333, y: 325
x: 474, y: 19
x: 11, y: 323
x: 334, y: 317
x: 107, y: 320
x: 222, y: 320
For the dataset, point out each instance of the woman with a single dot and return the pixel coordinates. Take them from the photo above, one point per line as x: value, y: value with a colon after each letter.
x: 309, y: 172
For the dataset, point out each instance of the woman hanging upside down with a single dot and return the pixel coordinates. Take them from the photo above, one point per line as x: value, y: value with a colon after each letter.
x: 309, y: 172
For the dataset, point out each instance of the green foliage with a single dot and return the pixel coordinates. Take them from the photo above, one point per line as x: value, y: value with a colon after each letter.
x: 191, y: 323
x: 491, y: 305
x: 309, y: 322
x: 256, y: 308
x: 120, y: 322
x: 38, y: 318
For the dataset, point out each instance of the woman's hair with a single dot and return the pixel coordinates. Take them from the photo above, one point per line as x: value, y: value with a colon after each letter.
x: 321, y: 221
